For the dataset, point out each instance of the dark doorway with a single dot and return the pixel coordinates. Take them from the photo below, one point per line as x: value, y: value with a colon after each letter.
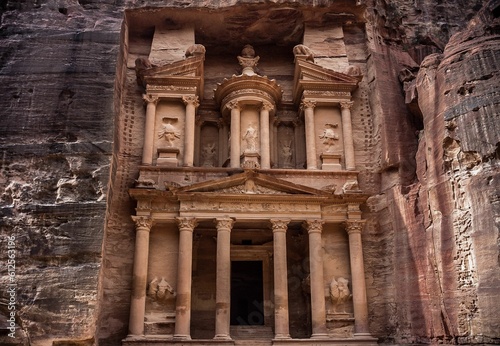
x: 247, y: 293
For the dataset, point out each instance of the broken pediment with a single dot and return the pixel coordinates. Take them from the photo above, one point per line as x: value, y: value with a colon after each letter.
x: 250, y: 183
x: 312, y: 78
x: 186, y: 73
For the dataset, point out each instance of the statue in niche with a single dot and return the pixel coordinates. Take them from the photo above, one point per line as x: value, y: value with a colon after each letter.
x: 251, y: 139
x: 160, y: 290
x: 286, y: 153
x: 329, y: 136
x: 339, y: 293
x: 208, y: 154
x: 168, y: 131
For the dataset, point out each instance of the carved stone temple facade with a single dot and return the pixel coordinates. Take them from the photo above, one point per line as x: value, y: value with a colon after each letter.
x: 248, y: 223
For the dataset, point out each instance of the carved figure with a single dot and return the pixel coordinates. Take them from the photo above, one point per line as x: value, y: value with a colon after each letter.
x: 160, y: 290
x: 208, y: 154
x: 169, y: 132
x: 251, y: 138
x: 286, y: 153
x: 329, y: 137
x: 339, y: 292
x: 350, y: 186
x: 195, y: 49
x: 301, y: 49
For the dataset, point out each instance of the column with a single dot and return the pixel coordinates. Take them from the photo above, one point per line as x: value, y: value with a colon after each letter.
x: 223, y: 279
x: 235, y: 134
x: 149, y: 129
x: 281, y: 322
x: 308, y: 107
x: 265, y: 151
x: 318, y: 311
x: 347, y: 134
x: 184, y: 268
x: 197, y: 143
x: 138, y: 300
x: 358, y: 284
x: 191, y: 103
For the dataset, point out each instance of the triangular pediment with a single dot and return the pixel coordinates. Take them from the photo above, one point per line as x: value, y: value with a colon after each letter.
x: 309, y: 76
x: 250, y: 183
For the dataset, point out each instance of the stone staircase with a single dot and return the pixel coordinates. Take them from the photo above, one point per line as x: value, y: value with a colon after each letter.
x: 252, y: 335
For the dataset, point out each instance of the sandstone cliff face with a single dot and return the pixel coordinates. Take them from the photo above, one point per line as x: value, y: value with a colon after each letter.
x: 432, y: 237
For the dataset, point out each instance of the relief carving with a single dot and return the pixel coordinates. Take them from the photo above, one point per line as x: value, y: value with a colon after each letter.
x: 251, y: 139
x: 286, y: 153
x: 160, y: 290
x: 329, y: 137
x: 208, y: 154
x: 301, y: 49
x: 168, y: 131
x: 339, y: 293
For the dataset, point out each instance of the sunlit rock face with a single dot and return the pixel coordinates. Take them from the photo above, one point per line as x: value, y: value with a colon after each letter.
x: 426, y: 133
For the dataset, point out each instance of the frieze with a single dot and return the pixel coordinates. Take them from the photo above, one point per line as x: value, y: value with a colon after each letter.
x: 248, y: 207
x: 152, y: 87
x: 326, y: 93
x: 249, y: 188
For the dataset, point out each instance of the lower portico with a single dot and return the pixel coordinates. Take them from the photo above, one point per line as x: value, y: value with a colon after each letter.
x: 233, y: 239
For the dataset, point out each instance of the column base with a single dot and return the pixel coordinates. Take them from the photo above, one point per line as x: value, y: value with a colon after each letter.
x: 182, y: 337
x: 282, y: 337
x: 363, y: 335
x: 222, y: 337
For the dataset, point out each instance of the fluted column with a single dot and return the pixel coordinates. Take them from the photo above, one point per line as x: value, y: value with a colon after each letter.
x: 191, y: 103
x: 265, y: 150
x: 138, y: 301
x: 360, y: 304
x: 308, y: 107
x: 149, y: 129
x: 347, y: 134
x: 235, y: 134
x: 184, y: 268
x: 281, y: 319
x: 223, y: 279
x: 318, y: 311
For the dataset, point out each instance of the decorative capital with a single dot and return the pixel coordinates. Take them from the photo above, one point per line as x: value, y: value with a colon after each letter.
x: 354, y: 226
x: 308, y: 104
x: 279, y: 225
x: 142, y: 223
x: 191, y: 99
x: 186, y: 223
x: 150, y: 98
x: 233, y: 105
x: 224, y: 223
x: 314, y: 226
x: 346, y: 104
x: 267, y: 106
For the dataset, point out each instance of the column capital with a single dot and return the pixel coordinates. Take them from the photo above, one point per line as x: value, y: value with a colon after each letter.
x: 191, y: 99
x: 267, y: 106
x: 354, y: 226
x: 308, y: 104
x: 279, y: 225
x: 314, y: 226
x: 346, y: 104
x: 148, y: 98
x: 224, y: 223
x: 233, y: 105
x: 143, y: 223
x: 186, y: 223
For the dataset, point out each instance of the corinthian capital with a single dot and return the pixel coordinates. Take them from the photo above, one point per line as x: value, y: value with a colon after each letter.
x: 308, y: 104
x: 279, y: 225
x: 354, y: 226
x: 314, y: 226
x: 267, y: 106
x: 233, y: 105
x: 346, y: 104
x: 224, y: 223
x: 191, y: 99
x: 143, y: 223
x: 186, y: 223
x: 150, y: 98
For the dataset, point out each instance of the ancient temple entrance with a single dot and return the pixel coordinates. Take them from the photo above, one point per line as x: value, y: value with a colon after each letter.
x: 247, y: 294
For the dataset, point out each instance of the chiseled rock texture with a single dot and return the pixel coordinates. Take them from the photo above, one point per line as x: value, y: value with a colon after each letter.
x: 427, y: 148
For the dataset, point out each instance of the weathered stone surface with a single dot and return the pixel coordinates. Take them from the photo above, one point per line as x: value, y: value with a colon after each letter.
x: 431, y: 240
